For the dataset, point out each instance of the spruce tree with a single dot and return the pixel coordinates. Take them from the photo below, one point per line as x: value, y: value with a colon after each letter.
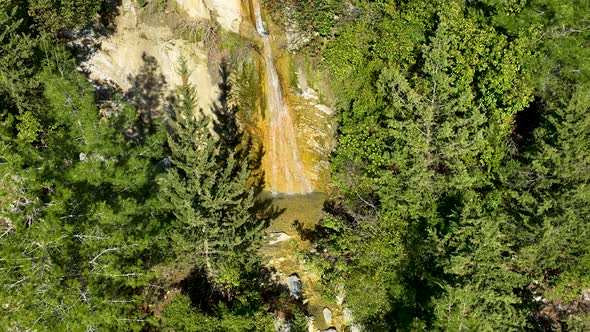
x: 80, y: 225
x: 216, y: 226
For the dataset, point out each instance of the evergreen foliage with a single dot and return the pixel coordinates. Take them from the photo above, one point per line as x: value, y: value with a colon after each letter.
x: 85, y: 227
x: 463, y: 190
x: 75, y: 214
x: 454, y: 163
x: 217, y: 226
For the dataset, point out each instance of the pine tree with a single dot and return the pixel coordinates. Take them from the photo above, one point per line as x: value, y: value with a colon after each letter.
x: 81, y: 227
x: 18, y: 58
x: 216, y: 226
x: 422, y: 135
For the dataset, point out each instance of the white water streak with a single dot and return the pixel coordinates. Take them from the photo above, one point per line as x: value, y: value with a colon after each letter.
x: 287, y: 175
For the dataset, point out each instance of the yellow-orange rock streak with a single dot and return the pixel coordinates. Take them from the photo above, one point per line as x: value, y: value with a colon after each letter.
x: 286, y: 174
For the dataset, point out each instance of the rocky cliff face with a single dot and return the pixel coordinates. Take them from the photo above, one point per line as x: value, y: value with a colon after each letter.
x: 145, y: 46
x: 227, y: 13
x: 141, y: 57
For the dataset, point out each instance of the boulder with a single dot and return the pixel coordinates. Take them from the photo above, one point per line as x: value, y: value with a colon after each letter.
x: 295, y: 286
x: 347, y: 315
x: 327, y: 315
x: 286, y: 327
x: 278, y: 237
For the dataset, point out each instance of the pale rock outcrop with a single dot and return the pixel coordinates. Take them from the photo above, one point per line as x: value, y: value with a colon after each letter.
x: 122, y: 56
x: 227, y: 12
x: 195, y: 8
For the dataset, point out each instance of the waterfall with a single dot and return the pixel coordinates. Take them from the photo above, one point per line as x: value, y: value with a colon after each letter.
x: 287, y: 174
x: 259, y: 25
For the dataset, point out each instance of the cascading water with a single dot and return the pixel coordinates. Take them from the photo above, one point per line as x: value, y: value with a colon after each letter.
x: 287, y: 174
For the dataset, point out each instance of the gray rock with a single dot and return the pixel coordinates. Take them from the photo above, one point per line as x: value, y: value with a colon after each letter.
x: 310, y: 324
x: 295, y: 286
x: 279, y: 237
x: 163, y: 165
x: 286, y: 327
x: 350, y: 320
x: 327, y: 315
x: 281, y: 325
x: 347, y: 315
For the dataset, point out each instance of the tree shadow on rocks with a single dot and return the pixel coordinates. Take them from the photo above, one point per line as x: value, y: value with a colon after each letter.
x: 323, y: 230
x: 85, y: 43
x: 109, y: 10
x: 225, y: 124
x: 233, y: 140
x: 147, y: 94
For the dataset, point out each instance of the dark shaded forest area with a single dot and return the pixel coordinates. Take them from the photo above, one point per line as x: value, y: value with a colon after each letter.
x: 461, y: 176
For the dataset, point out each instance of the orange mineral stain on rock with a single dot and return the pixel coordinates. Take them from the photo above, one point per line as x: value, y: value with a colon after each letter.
x: 285, y: 172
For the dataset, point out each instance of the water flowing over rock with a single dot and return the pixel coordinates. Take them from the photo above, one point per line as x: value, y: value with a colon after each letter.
x: 348, y: 319
x: 310, y: 324
x: 259, y: 24
x: 286, y: 173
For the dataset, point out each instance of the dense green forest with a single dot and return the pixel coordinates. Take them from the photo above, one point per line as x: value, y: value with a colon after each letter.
x: 461, y: 176
x: 102, y: 207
